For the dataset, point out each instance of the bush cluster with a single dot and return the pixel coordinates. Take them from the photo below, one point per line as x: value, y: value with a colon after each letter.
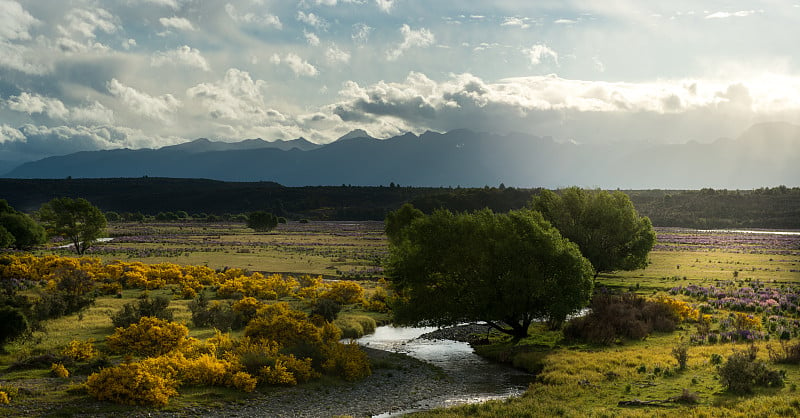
x: 148, y: 337
x: 742, y: 371
x: 626, y: 315
x: 132, y: 312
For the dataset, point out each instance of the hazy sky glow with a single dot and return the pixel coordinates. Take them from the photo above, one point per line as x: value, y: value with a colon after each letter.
x: 83, y: 74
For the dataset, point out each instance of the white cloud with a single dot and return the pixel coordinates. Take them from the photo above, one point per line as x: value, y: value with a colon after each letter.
x: 565, y: 21
x: 128, y: 43
x: 159, y: 108
x: 34, y: 103
x: 299, y: 66
x: 15, y: 21
x: 183, y: 55
x: 311, y: 38
x: 70, y: 45
x: 539, y: 52
x: 360, y: 33
x: 385, y: 5
x: 411, y: 39
x: 265, y: 19
x: 335, y: 56
x: 10, y: 134
x: 516, y: 21
x: 312, y: 20
x: 724, y: 15
x: 85, y: 23
x: 180, y: 23
x: 173, y: 4
x: 236, y: 98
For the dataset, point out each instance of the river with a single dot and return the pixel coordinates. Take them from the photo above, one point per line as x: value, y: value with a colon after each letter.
x: 482, y: 380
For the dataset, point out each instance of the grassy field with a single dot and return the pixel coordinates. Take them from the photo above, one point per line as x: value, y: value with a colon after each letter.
x: 575, y: 379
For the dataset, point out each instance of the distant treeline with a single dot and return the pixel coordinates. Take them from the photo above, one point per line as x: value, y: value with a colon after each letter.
x: 762, y: 208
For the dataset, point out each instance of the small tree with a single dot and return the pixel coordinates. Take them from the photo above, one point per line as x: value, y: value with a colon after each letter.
x: 18, y: 229
x: 77, y: 220
x: 504, y: 269
x: 605, y: 225
x: 261, y: 221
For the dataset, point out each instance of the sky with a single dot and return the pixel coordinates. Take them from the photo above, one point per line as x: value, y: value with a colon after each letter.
x: 87, y: 74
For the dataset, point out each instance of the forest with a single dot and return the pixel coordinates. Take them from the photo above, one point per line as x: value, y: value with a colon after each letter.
x: 776, y: 207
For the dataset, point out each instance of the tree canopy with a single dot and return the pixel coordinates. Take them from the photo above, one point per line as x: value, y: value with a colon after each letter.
x: 262, y: 221
x: 399, y: 219
x: 77, y: 220
x: 18, y: 229
x: 504, y: 269
x: 605, y: 225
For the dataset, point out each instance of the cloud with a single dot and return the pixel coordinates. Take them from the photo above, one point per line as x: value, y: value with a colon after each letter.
x: 180, y: 23
x: 725, y: 15
x: 311, y: 38
x: 15, y: 21
x: 158, y: 108
x: 300, y: 67
x: 360, y: 33
x: 55, y: 109
x: 85, y: 23
x: 521, y: 22
x: 411, y: 39
x: 312, y: 20
x: 235, y: 98
x: 266, y: 19
x: 334, y: 55
x: 385, y: 5
x: 539, y: 52
x: 173, y: 4
x: 183, y: 55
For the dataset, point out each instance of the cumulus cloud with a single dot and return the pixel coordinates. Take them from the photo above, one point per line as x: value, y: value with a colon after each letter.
x: 411, y: 39
x: 265, y: 19
x: 725, y: 15
x: 234, y: 98
x: 183, y: 55
x: 311, y: 38
x: 15, y: 21
x: 85, y: 23
x: 312, y: 20
x: 151, y: 107
x: 385, y: 5
x: 360, y: 33
x: 538, y: 52
x: 298, y: 66
x: 334, y: 55
x: 180, y: 23
x: 55, y: 109
x: 521, y: 22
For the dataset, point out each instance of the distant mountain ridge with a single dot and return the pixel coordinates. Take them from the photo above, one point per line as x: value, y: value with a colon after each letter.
x: 764, y: 155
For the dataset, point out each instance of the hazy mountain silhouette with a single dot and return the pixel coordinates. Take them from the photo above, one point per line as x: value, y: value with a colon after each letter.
x: 764, y: 155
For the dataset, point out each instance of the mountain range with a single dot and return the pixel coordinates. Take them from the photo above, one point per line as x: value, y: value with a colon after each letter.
x: 764, y: 155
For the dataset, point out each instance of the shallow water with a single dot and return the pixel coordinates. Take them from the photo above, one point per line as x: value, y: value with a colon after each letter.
x: 481, y: 380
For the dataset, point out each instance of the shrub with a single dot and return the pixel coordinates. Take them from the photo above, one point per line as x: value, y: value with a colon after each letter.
x: 278, y: 374
x: 285, y: 326
x: 356, y: 326
x: 681, y: 354
x: 788, y: 354
x: 244, y: 381
x: 148, y: 337
x: 246, y: 308
x: 4, y: 400
x: 131, y: 384
x: 219, y: 315
x: 13, y: 324
x: 80, y: 350
x: 327, y: 309
x: 58, y: 370
x: 347, y: 361
x: 132, y: 312
x: 344, y: 292
x: 742, y: 371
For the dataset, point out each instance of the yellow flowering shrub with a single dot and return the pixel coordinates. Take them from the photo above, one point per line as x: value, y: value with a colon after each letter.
x: 344, y: 292
x: 247, y: 307
x: 58, y: 370
x: 207, y: 370
x: 244, y: 381
x: 681, y: 310
x: 149, y: 337
x: 285, y: 326
x: 347, y: 361
x: 278, y: 374
x: 742, y: 321
x: 301, y: 369
x: 4, y: 400
x: 131, y: 384
x: 310, y: 287
x: 80, y: 350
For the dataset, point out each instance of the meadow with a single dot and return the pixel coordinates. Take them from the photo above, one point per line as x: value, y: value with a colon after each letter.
x: 721, y: 275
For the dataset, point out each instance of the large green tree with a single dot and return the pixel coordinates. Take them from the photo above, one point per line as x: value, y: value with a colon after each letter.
x: 397, y: 220
x: 505, y: 269
x: 605, y: 225
x: 261, y: 221
x: 77, y: 220
x: 18, y: 229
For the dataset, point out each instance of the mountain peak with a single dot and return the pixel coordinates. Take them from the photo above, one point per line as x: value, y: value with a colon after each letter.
x: 355, y: 133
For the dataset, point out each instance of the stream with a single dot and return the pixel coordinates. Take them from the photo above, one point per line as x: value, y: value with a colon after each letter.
x: 481, y: 380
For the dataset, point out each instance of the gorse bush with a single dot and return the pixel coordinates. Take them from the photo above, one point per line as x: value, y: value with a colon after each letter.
x: 132, y: 312
x: 80, y: 350
x: 149, y: 337
x: 131, y: 384
x: 344, y: 292
x: 742, y: 371
x: 627, y: 315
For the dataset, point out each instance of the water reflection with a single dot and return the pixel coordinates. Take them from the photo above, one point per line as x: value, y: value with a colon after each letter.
x: 479, y: 379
